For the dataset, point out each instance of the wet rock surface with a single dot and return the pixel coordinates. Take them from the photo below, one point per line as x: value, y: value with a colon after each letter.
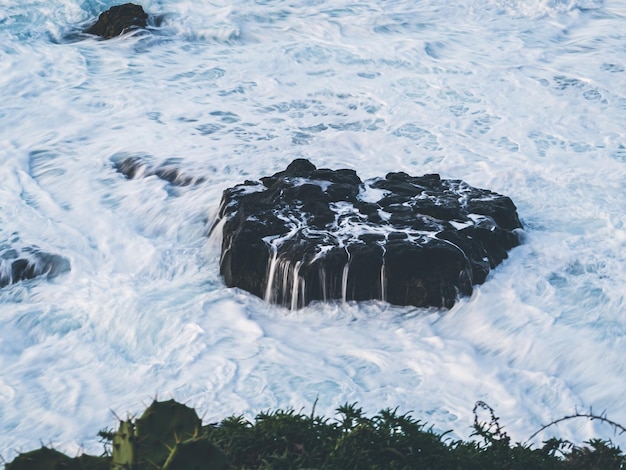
x: 28, y: 263
x: 118, y: 20
x: 307, y: 234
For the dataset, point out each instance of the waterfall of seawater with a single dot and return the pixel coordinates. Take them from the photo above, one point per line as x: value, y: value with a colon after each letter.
x: 383, y: 277
x: 296, y: 282
x: 286, y: 282
x: 284, y: 285
x: 344, y: 279
x: 271, y: 269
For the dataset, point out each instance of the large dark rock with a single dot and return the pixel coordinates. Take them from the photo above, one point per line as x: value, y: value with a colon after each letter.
x: 29, y: 263
x: 308, y: 234
x: 118, y: 20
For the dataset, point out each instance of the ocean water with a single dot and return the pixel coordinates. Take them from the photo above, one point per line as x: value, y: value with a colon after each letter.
x: 523, y: 97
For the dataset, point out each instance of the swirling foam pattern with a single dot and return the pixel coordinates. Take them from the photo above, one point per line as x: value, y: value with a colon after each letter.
x: 525, y: 98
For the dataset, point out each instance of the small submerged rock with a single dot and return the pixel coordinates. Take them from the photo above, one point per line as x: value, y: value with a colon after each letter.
x: 118, y: 20
x: 308, y: 234
x: 29, y: 263
x: 133, y: 167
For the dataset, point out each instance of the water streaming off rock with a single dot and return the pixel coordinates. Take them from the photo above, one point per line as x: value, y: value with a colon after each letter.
x: 307, y: 234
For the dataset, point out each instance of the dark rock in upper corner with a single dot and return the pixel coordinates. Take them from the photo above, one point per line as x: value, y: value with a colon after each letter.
x: 118, y: 20
x: 308, y: 234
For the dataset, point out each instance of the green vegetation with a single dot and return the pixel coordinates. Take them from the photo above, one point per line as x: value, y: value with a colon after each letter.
x: 170, y: 436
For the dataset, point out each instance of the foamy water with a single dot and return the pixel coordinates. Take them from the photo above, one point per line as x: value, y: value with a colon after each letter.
x: 525, y: 98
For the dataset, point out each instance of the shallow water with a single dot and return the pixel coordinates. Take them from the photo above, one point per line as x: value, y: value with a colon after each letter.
x: 523, y: 98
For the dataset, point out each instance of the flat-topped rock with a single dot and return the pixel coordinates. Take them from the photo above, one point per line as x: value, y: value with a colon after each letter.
x: 307, y: 234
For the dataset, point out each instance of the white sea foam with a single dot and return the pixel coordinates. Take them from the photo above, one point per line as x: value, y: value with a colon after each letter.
x: 523, y: 98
